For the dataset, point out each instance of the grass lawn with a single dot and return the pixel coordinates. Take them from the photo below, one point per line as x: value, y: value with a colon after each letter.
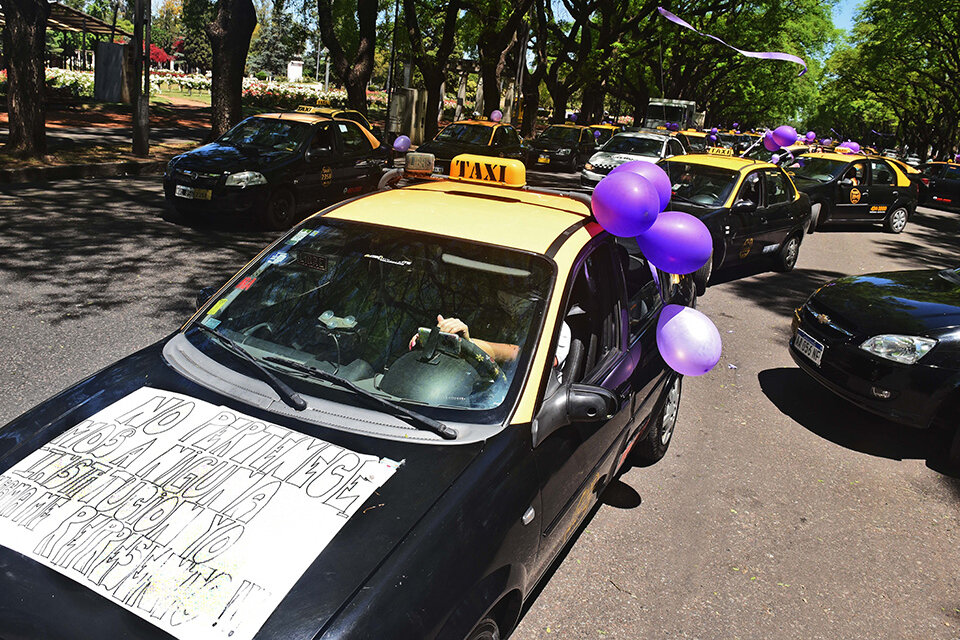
x: 174, y: 95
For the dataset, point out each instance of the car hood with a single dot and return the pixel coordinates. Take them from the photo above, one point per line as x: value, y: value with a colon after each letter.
x: 30, y: 591
x: 447, y: 150
x: 551, y: 145
x: 904, y: 302
x: 616, y: 159
x: 226, y: 158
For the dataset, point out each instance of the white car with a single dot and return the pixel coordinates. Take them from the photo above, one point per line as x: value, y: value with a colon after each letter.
x: 625, y: 147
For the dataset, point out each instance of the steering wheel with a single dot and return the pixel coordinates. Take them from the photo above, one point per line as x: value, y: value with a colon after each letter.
x: 433, y: 340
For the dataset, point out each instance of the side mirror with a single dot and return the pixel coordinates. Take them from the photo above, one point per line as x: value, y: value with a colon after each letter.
x: 573, y: 403
x: 846, y: 182
x: 744, y: 206
x: 205, y: 295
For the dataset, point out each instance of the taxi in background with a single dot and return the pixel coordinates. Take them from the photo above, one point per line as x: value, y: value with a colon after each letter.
x: 605, y: 131
x: 648, y: 146
x: 942, y: 180
x: 562, y: 146
x: 389, y: 424
x: 752, y: 209
x: 700, y: 142
x: 783, y: 155
x: 851, y: 187
x: 274, y: 166
x: 338, y: 113
x: 888, y: 343
x: 476, y: 137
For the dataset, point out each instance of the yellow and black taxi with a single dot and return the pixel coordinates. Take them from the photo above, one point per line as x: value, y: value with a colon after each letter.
x: 752, y: 208
x: 851, y: 187
x: 888, y: 343
x: 273, y: 166
x: 340, y: 113
x: 700, y: 141
x: 941, y: 184
x: 476, y: 137
x: 563, y: 146
x: 606, y: 130
x: 387, y: 425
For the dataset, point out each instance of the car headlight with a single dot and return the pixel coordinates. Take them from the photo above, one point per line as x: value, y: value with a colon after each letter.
x: 245, y: 179
x: 563, y: 152
x: 588, y: 167
x: 904, y: 349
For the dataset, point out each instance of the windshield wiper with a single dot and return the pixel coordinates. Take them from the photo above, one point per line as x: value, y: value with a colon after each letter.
x: 417, y: 419
x: 288, y: 395
x: 950, y: 275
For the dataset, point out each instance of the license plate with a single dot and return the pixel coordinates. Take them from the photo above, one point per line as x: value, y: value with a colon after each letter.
x: 543, y: 160
x: 182, y: 191
x: 808, y: 346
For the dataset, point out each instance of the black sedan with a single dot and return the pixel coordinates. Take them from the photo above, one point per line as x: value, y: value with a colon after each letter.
x: 388, y: 425
x: 942, y: 184
x: 273, y: 166
x: 562, y: 146
x: 889, y: 343
x: 847, y: 188
x: 752, y: 209
x: 475, y: 137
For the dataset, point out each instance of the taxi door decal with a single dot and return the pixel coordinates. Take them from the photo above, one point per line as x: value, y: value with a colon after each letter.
x: 854, y: 196
x: 326, y: 175
x: 747, y: 245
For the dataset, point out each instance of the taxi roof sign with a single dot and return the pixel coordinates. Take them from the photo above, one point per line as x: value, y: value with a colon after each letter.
x: 484, y: 169
x: 309, y: 108
x: 720, y: 151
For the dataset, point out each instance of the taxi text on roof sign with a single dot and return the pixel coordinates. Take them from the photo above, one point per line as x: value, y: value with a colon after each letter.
x: 502, y: 171
x: 719, y: 151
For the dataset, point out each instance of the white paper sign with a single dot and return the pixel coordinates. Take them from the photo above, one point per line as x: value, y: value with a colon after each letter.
x: 195, y: 517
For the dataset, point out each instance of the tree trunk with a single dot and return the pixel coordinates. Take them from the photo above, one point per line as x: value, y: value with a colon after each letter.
x: 353, y: 73
x: 24, y: 44
x: 229, y: 35
x: 531, y: 101
x: 491, y: 85
x: 434, y: 107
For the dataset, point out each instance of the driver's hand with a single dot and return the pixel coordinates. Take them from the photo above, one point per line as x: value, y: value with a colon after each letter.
x: 453, y: 325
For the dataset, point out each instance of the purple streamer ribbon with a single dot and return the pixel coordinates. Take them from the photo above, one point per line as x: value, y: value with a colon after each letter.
x: 766, y: 55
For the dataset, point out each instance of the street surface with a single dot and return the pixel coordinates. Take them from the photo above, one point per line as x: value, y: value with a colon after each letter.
x: 778, y: 512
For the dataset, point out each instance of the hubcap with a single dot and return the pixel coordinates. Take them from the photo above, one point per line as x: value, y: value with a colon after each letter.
x: 790, y: 252
x: 670, y: 412
x: 898, y: 220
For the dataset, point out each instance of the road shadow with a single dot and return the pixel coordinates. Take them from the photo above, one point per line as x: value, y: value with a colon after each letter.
x: 85, y: 246
x: 933, y: 241
x: 554, y: 179
x: 778, y: 292
x: 813, y: 407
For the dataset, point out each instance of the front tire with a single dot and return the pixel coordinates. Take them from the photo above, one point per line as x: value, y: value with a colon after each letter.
x: 280, y: 212
x: 702, y: 276
x: 486, y: 629
x: 654, y: 444
x: 814, y: 216
x: 896, y: 220
x: 787, y: 255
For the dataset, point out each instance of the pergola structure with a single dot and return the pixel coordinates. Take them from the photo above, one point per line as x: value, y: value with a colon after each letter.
x: 64, y: 18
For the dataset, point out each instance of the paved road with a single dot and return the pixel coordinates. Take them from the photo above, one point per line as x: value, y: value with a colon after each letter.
x: 60, y: 139
x: 778, y: 512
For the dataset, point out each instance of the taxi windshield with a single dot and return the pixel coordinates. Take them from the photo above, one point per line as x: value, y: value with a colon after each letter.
x: 819, y: 169
x: 271, y: 134
x: 367, y: 304
x: 466, y: 133
x: 602, y: 135
x: 700, y: 184
x: 635, y: 145
x: 561, y: 134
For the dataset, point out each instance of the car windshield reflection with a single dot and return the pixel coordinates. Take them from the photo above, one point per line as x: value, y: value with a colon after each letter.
x: 466, y: 133
x: 271, y: 134
x: 700, y: 184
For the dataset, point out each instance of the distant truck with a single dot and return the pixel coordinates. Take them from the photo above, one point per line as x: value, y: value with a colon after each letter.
x: 660, y: 111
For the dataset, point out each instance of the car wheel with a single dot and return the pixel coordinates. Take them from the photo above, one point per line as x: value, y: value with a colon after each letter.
x: 896, y: 220
x: 702, y: 276
x: 280, y: 211
x: 654, y: 444
x: 814, y: 216
x: 787, y: 255
x: 486, y: 629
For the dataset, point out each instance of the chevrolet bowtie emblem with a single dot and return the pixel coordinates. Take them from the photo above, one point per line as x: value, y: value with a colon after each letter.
x: 823, y: 318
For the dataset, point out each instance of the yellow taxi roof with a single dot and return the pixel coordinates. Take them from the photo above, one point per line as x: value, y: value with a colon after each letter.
x: 606, y: 126
x: 732, y: 163
x: 485, y: 123
x: 694, y: 133
x: 513, y: 218
x: 306, y: 118
x: 833, y: 155
x: 569, y: 125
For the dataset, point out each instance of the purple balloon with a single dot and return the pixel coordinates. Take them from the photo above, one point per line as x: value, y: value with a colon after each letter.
x: 713, y: 138
x: 714, y: 131
x: 573, y: 117
x: 496, y: 115
x: 676, y: 242
x: 775, y: 159
x: 654, y: 175
x: 853, y: 146
x: 596, y: 133
x: 736, y: 124
x: 688, y: 341
x: 811, y: 136
x: 826, y: 142
x: 769, y: 143
x: 784, y: 135
x: 401, y: 144
x: 625, y: 204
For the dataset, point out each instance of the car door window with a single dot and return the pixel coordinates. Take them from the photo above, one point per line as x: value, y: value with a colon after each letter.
x: 933, y: 170
x: 676, y: 148
x: 882, y: 174
x: 952, y: 173
x: 513, y: 138
x: 750, y: 189
x: 643, y: 298
x: 776, y: 187
x: 324, y: 140
x: 353, y: 139
x: 500, y: 138
x: 856, y: 174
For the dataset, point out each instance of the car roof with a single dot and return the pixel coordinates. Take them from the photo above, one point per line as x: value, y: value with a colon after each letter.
x: 606, y: 126
x: 833, y: 155
x: 516, y: 218
x: 655, y: 135
x: 732, y: 163
x: 694, y: 133
x: 485, y: 123
x: 568, y: 125
x: 307, y: 118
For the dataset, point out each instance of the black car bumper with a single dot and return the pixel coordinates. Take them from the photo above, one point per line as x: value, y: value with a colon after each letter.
x: 543, y: 158
x: 913, y: 391
x: 233, y: 202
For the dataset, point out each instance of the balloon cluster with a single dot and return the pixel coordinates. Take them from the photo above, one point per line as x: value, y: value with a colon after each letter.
x: 713, y: 134
x: 630, y: 202
x: 854, y: 147
x: 673, y: 126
